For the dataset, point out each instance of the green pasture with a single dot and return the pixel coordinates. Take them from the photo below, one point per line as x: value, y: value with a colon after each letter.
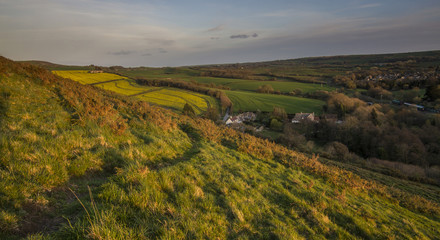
x: 249, y: 101
x: 234, y: 84
x: 285, y: 87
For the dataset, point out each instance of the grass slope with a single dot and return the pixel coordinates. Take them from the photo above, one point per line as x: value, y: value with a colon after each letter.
x: 79, y: 162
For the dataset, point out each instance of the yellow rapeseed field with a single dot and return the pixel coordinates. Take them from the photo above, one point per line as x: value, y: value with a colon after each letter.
x: 84, y: 77
x: 124, y: 86
x: 167, y: 97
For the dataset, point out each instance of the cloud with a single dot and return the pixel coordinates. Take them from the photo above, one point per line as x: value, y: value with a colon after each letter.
x: 161, y: 50
x: 371, y: 5
x: 121, y: 53
x: 146, y: 54
x: 216, y: 29
x: 158, y: 41
x: 215, y: 38
x: 243, y: 36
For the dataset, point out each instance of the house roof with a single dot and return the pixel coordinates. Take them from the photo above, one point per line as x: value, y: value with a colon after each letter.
x: 302, y: 116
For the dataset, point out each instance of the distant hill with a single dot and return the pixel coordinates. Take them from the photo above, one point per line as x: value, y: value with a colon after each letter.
x: 55, y: 66
x: 80, y: 162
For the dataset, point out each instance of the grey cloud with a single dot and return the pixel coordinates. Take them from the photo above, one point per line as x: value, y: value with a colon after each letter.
x: 372, y: 5
x: 162, y: 42
x: 216, y: 29
x: 121, y: 53
x: 243, y: 36
x: 215, y: 38
x: 146, y: 54
x: 161, y: 50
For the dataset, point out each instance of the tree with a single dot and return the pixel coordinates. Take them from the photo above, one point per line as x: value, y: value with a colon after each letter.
x: 188, y: 110
x: 279, y: 113
x: 276, y: 125
x: 374, y: 118
x: 337, y: 150
x: 211, y: 113
x: 432, y: 93
x: 265, y: 89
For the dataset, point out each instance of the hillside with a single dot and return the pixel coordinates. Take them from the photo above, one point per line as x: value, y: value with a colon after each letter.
x: 79, y: 162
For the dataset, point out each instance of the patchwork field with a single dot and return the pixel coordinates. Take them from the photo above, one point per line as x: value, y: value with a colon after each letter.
x: 285, y: 87
x: 125, y: 87
x: 176, y: 98
x: 249, y: 101
x: 234, y: 84
x: 84, y: 77
x: 169, y: 97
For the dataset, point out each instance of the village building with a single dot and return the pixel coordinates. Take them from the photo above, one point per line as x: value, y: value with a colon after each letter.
x: 244, y: 117
x: 300, y: 117
x: 96, y: 71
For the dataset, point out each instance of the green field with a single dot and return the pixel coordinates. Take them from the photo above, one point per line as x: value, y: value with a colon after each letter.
x: 243, y: 92
x: 234, y: 84
x: 170, y: 97
x: 285, y: 87
x: 249, y: 101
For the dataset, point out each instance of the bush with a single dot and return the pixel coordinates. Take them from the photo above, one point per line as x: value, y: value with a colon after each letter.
x: 337, y: 150
x: 276, y: 125
x: 188, y: 110
x: 265, y: 89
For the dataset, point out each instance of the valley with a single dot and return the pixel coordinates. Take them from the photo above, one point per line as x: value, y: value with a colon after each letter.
x: 108, y: 156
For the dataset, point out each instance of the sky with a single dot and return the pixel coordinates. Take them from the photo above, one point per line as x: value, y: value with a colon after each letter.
x: 194, y: 32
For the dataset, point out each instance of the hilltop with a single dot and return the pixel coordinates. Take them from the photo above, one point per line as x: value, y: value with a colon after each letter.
x: 81, y: 162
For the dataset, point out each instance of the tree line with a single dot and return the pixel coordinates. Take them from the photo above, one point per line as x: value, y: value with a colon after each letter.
x: 385, y: 132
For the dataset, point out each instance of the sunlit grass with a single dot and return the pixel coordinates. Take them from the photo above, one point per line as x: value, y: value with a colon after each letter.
x: 249, y: 101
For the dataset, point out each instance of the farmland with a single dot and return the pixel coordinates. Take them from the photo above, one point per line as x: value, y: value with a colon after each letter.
x: 243, y: 92
x: 185, y: 74
x: 85, y: 77
x: 170, y: 97
x: 128, y: 170
x: 176, y: 98
x: 249, y: 101
x: 125, y: 87
x: 284, y: 87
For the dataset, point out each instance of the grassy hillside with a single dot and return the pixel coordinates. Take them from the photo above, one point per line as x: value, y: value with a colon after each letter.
x: 78, y: 162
